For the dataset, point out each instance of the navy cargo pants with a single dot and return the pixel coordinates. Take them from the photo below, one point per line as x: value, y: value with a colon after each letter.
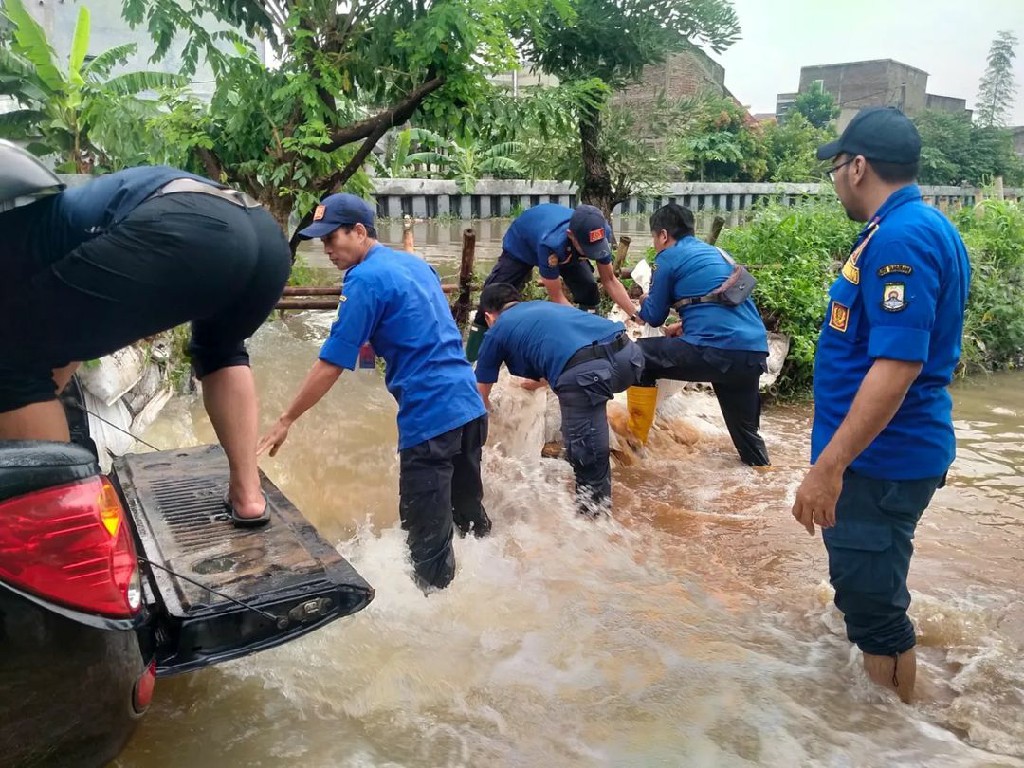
x: 588, y: 381
x: 439, y: 489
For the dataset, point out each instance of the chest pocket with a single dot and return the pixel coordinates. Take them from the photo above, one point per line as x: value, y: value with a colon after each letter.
x: 846, y: 311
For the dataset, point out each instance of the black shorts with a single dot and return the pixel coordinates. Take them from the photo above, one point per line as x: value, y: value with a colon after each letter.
x: 177, y: 258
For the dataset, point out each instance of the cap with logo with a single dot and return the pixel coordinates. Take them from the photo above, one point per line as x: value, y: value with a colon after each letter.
x: 588, y: 224
x: 335, y: 211
x: 883, y: 134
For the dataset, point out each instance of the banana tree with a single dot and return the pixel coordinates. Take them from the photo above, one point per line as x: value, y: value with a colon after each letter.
x: 77, y: 110
x: 466, y: 160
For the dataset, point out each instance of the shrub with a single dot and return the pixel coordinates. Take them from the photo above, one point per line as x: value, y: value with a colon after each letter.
x: 795, y: 253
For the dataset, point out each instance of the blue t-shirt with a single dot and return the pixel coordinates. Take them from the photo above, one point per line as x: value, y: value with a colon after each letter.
x: 900, y: 296
x: 692, y: 268
x: 394, y: 300
x: 45, y: 231
x: 535, y: 339
x: 538, y: 237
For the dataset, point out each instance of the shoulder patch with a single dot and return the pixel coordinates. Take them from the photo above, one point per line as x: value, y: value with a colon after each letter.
x: 342, y: 298
x: 894, y: 297
x: 552, y: 260
x: 851, y: 271
x: 889, y: 269
x: 839, y: 317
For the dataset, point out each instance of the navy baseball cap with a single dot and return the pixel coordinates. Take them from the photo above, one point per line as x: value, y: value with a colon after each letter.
x: 878, y: 133
x: 336, y: 210
x: 588, y: 224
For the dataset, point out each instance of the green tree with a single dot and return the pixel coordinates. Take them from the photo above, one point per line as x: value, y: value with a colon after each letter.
x: 719, y: 144
x: 997, y: 87
x: 790, y: 146
x: 466, y: 160
x: 953, y: 151
x: 817, y: 105
x: 345, y: 75
x: 613, y: 40
x: 77, y: 110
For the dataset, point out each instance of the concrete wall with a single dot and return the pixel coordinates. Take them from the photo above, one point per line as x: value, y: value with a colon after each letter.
x: 861, y: 84
x: 946, y: 104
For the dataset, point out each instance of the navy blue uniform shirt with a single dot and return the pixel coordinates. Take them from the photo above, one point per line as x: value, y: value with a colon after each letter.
x: 539, y: 237
x: 900, y: 296
x: 45, y: 231
x: 535, y: 339
x: 692, y: 268
x: 394, y: 300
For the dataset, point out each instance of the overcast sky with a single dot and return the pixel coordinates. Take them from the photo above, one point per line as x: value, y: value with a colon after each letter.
x: 948, y: 39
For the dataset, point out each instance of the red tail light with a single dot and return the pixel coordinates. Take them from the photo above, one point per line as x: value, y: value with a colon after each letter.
x: 71, y: 544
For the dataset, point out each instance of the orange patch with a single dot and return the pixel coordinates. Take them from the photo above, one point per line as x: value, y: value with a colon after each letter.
x: 319, y: 213
x: 552, y: 260
x: 596, y: 235
x: 839, y: 317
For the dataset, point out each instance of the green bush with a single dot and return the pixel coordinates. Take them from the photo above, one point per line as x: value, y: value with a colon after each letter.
x: 993, y: 232
x: 795, y: 253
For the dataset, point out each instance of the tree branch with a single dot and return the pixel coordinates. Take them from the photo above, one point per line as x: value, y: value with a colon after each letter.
x: 392, y: 116
x: 213, y: 166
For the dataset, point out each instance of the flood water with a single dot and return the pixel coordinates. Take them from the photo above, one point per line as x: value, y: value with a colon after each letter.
x: 693, y: 628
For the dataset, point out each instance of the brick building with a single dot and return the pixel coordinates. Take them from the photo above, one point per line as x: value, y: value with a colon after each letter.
x: 880, y: 82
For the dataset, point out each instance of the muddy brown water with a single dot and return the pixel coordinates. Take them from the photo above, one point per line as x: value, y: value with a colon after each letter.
x: 694, y: 628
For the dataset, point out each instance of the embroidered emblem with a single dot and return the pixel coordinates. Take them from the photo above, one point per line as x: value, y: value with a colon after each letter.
x: 552, y: 260
x: 343, y: 298
x: 894, y: 297
x: 850, y: 270
x: 888, y: 269
x: 596, y: 235
x: 840, y: 317
x: 319, y: 212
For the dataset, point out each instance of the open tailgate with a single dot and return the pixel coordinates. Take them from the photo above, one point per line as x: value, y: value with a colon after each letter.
x: 296, y: 580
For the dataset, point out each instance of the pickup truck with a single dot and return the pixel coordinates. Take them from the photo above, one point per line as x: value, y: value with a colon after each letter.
x: 109, y: 582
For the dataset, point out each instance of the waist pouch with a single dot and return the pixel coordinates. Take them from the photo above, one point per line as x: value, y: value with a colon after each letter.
x: 736, y: 289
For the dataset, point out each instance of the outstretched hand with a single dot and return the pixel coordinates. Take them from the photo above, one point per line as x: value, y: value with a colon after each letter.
x: 273, y: 439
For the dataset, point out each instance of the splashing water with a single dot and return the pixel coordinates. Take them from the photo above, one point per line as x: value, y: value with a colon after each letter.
x: 694, y: 627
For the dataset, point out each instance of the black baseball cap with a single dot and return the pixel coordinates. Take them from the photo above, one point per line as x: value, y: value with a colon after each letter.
x: 588, y: 224
x: 335, y: 211
x: 883, y: 134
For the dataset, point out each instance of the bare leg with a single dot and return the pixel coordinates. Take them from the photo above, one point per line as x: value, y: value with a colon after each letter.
x: 38, y: 421
x: 897, y: 675
x: 229, y: 395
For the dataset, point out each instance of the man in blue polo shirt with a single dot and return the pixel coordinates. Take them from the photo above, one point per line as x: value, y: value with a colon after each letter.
x: 586, y: 358
x: 883, y: 438
x: 724, y: 345
x: 560, y: 242
x: 394, y: 300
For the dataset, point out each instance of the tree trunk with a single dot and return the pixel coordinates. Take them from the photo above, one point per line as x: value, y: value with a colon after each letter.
x: 278, y: 206
x: 596, y: 189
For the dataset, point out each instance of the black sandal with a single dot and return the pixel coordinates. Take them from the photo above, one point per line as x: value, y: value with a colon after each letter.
x: 248, y: 522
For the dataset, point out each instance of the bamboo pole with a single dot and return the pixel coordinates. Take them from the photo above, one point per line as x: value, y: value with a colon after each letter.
x: 463, y: 304
x: 620, y: 253
x: 408, y: 244
x: 716, y: 229
x: 324, y: 297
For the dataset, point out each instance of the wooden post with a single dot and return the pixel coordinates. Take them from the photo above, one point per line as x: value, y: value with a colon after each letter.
x: 716, y: 230
x: 620, y: 253
x: 463, y: 304
x: 407, y: 240
x: 999, y: 188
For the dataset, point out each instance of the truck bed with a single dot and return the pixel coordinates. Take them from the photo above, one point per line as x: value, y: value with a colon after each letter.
x: 200, y: 567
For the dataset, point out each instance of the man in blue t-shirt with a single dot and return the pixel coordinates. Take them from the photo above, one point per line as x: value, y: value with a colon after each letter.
x: 560, y: 242
x: 586, y: 359
x: 724, y: 345
x: 88, y: 270
x: 883, y: 438
x: 394, y: 300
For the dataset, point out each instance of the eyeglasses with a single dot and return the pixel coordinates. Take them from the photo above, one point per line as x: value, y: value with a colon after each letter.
x: 832, y: 171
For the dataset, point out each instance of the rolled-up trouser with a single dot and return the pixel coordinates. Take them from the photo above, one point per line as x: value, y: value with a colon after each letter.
x: 176, y: 258
x: 578, y: 275
x: 734, y: 375
x: 440, y: 489
x: 869, y: 551
x: 583, y: 393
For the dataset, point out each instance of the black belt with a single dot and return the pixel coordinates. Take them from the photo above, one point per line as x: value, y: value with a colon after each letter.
x: 597, y: 350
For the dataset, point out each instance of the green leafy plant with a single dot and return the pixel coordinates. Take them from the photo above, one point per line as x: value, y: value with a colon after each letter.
x: 76, y: 110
